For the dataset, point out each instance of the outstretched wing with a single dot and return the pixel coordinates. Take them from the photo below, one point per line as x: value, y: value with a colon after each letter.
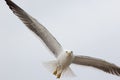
x: 97, y: 63
x: 36, y: 27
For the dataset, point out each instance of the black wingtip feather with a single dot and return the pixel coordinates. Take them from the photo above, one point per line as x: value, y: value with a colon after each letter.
x: 12, y: 4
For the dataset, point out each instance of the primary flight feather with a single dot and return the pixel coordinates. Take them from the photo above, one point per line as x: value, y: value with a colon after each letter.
x: 63, y: 58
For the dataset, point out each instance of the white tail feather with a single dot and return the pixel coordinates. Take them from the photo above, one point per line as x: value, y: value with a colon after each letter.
x: 52, y: 65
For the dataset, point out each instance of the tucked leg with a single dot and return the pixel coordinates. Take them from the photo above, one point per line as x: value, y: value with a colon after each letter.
x: 59, y: 75
x: 55, y: 72
x: 58, y: 71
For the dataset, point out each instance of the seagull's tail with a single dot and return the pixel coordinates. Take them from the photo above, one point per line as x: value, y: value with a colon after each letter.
x: 52, y: 66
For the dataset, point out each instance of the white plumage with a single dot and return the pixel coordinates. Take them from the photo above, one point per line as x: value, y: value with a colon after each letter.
x: 63, y: 58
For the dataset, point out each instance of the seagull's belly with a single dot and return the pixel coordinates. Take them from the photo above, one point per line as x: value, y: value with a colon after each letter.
x: 64, y: 60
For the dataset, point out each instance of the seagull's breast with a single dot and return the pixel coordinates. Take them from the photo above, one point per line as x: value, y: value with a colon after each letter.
x: 65, y: 60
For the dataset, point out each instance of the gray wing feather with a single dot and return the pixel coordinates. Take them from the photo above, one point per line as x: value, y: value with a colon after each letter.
x: 97, y: 63
x: 37, y: 28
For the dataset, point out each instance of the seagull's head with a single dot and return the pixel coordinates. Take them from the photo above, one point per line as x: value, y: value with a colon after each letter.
x: 69, y: 53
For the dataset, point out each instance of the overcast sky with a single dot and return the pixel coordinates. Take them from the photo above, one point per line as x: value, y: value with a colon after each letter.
x: 88, y: 27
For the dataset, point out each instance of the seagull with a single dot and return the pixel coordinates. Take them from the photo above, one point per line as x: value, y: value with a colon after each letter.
x: 63, y: 57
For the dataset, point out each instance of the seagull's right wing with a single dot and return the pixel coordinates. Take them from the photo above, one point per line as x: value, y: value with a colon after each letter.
x: 37, y: 28
x: 97, y: 63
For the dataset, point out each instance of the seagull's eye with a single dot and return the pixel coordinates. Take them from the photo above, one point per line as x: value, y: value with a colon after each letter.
x: 66, y: 51
x: 71, y: 51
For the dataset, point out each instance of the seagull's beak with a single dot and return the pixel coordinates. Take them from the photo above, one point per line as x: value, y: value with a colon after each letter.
x: 69, y: 54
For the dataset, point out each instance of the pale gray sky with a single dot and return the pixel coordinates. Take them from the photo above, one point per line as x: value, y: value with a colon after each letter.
x: 88, y: 27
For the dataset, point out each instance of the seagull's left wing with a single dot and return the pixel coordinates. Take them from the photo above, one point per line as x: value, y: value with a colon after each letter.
x: 97, y: 63
x: 37, y: 28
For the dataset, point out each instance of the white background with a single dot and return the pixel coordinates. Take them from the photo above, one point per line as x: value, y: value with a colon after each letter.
x: 88, y: 27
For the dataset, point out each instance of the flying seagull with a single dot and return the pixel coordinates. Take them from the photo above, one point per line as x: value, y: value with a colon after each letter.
x: 63, y: 57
